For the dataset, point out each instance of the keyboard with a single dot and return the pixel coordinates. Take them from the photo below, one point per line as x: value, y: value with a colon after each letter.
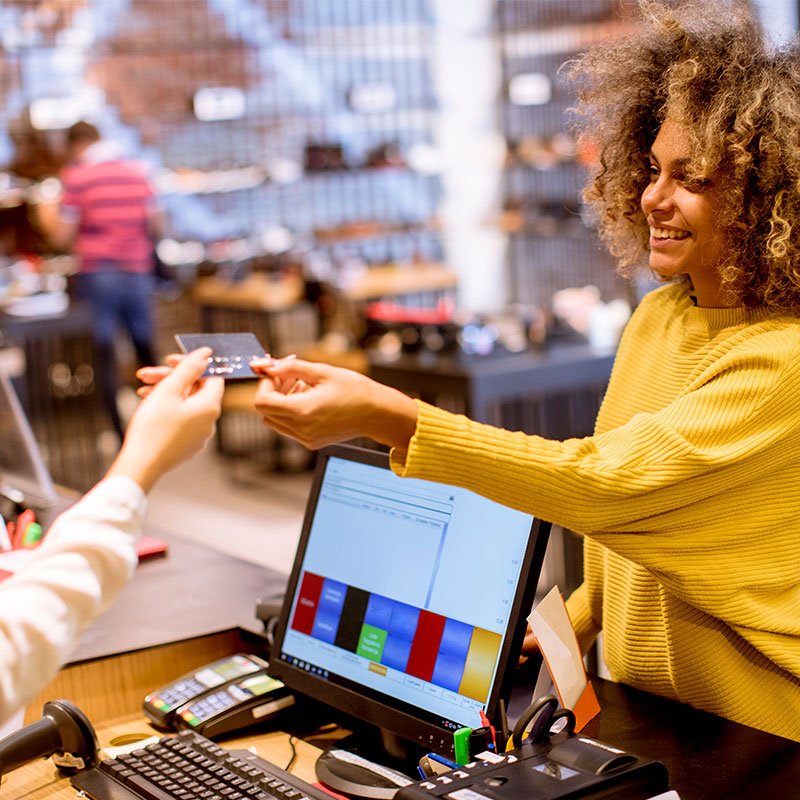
x: 188, y: 766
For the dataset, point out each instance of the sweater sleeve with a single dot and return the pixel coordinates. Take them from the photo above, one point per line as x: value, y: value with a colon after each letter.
x: 86, y: 558
x: 631, y: 478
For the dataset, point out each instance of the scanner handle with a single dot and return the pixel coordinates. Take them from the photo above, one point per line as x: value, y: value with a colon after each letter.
x: 63, y: 731
x: 28, y: 743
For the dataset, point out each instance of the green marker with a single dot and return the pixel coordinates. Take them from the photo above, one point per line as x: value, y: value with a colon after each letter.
x: 33, y: 535
x: 461, y: 745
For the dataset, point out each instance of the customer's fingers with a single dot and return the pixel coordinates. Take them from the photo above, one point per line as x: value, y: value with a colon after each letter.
x: 152, y: 375
x: 208, y: 392
x: 186, y: 374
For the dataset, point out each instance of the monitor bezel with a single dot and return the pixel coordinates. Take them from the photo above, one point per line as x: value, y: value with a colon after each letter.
x: 383, y: 713
x: 39, y: 491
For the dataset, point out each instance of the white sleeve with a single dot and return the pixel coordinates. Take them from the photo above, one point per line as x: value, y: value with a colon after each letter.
x: 86, y: 558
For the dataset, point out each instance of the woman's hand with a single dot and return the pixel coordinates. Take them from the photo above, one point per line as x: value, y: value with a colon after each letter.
x: 318, y: 404
x: 530, y: 647
x: 173, y: 422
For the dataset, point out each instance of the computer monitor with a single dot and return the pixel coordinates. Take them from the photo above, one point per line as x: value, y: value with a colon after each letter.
x: 23, y: 475
x: 407, y: 601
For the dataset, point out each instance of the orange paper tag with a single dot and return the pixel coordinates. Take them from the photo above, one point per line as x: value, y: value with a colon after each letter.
x: 553, y: 630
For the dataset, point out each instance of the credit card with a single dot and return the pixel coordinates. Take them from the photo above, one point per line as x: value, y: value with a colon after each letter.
x: 232, y: 354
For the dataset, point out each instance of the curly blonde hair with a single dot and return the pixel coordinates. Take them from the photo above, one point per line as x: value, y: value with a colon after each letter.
x: 706, y: 65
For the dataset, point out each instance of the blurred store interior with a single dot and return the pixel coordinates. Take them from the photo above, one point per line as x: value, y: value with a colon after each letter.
x: 389, y: 185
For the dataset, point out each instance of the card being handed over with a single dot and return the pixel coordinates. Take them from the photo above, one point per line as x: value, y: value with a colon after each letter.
x: 232, y: 354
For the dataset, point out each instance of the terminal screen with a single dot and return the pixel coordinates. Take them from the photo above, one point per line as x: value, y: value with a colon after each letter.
x: 22, y: 470
x: 405, y: 589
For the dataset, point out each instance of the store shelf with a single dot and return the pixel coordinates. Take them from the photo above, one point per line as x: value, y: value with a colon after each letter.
x: 255, y: 292
x: 240, y: 201
x: 562, y: 39
x: 394, y: 281
x: 550, y: 245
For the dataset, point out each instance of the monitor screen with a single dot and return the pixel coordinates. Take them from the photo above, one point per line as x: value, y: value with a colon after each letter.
x: 407, y: 600
x: 23, y: 475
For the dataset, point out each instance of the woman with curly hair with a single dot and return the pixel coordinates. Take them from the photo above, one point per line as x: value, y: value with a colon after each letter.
x: 709, y: 74
x: 688, y: 493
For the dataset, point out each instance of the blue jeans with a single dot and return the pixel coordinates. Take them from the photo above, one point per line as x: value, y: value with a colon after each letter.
x: 117, y: 298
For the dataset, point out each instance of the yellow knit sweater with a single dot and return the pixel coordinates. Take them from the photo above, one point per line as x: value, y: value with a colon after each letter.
x: 689, y: 496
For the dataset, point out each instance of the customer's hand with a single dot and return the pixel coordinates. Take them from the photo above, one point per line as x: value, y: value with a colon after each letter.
x: 172, y: 423
x: 152, y: 375
x: 318, y: 404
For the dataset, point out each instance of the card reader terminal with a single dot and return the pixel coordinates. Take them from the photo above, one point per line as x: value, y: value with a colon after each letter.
x: 161, y: 706
x: 239, y: 704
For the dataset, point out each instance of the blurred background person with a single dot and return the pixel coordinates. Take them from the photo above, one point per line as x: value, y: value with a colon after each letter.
x: 108, y: 216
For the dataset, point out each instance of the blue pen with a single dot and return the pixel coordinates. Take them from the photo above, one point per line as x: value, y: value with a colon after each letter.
x: 5, y: 539
x: 442, y: 760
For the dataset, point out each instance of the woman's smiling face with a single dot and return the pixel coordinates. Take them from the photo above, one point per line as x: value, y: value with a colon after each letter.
x: 685, y: 238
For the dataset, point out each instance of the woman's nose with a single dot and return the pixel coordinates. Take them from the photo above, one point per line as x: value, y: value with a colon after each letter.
x: 656, y: 196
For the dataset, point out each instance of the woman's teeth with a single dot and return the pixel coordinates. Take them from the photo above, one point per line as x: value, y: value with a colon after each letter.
x: 662, y: 233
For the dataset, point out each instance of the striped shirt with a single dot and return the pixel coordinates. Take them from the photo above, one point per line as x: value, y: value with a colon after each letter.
x: 110, y: 201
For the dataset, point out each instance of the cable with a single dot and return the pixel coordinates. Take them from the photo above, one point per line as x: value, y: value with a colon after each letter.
x: 294, y: 753
x: 269, y: 630
x: 302, y: 736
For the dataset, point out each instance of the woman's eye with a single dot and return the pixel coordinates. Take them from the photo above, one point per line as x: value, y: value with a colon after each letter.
x: 694, y: 184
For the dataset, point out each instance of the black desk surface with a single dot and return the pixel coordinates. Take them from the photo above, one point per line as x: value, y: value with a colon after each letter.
x: 76, y: 319
x: 708, y: 758
x: 192, y: 591
x: 482, y: 380
x: 558, y: 367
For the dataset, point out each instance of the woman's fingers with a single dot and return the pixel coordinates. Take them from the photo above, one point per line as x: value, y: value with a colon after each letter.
x: 153, y: 374
x: 530, y: 646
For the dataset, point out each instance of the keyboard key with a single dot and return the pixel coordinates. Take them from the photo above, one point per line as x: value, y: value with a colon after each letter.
x: 147, y: 790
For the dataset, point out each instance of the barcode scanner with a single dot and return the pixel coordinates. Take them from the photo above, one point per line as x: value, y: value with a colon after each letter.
x: 63, y: 732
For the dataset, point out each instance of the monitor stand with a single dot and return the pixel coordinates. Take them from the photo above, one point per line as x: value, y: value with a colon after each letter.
x: 373, y: 763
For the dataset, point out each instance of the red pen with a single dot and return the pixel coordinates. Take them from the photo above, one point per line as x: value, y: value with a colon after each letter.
x: 23, y: 520
x: 486, y: 724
